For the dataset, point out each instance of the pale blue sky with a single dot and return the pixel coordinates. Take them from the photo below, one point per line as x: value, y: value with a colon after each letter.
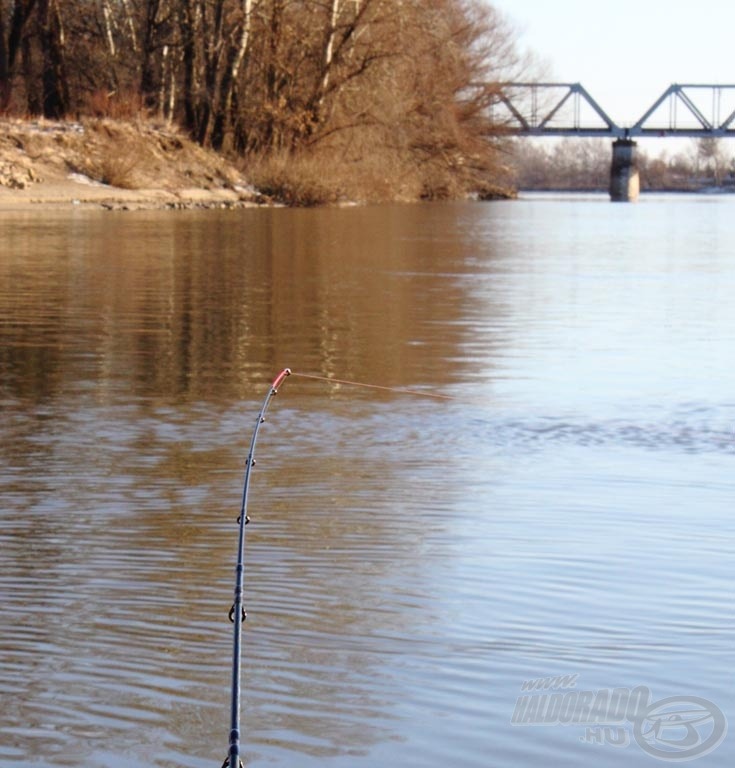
x: 627, y: 52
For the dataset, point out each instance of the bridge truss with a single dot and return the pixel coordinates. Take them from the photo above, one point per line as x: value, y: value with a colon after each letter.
x: 567, y: 109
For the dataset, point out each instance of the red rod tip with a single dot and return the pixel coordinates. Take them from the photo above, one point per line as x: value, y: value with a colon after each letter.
x: 281, y: 376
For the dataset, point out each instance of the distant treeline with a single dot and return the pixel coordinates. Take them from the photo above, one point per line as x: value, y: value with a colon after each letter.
x: 584, y: 164
x: 398, y: 90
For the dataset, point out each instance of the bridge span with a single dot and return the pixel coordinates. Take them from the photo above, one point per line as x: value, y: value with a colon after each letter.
x: 568, y: 109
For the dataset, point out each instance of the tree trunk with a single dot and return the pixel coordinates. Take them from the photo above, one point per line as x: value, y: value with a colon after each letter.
x: 51, y: 35
x: 235, y: 56
x: 272, y: 86
x: 109, y: 37
x: 9, y: 50
x: 328, y: 52
x: 188, y: 53
x: 148, y: 86
x: 131, y: 24
x: 34, y: 96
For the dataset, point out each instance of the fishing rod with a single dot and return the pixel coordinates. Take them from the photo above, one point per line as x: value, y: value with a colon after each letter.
x: 237, y: 612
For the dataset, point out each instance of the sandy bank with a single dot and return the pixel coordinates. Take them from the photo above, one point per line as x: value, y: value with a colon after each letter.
x: 113, y: 165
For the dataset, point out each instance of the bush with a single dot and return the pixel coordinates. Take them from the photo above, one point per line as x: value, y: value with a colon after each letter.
x: 106, y: 152
x: 294, y: 179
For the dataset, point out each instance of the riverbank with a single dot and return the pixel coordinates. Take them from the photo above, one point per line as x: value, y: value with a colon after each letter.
x: 114, y: 165
x: 139, y: 164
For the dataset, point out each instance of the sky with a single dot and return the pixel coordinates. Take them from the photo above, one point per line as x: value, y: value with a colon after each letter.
x: 627, y: 53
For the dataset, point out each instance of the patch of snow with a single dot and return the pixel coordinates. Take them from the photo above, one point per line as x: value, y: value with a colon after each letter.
x: 80, y: 178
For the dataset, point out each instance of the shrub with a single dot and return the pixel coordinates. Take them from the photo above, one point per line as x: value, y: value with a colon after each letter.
x: 294, y: 179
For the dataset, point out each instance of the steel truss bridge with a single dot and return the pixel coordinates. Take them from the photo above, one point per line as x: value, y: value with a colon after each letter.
x: 567, y: 109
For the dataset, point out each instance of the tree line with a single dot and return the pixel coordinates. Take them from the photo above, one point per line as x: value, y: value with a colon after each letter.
x: 584, y: 164
x: 413, y: 77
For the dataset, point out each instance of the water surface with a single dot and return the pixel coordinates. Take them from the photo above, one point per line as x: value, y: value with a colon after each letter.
x: 411, y: 561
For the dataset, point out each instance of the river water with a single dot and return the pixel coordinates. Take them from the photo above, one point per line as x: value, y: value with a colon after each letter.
x: 412, y: 562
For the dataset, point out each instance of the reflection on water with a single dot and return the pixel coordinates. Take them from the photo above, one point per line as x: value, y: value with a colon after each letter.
x: 202, y: 306
x: 411, y: 561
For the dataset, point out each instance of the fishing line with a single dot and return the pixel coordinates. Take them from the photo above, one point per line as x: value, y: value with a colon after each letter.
x: 395, y: 390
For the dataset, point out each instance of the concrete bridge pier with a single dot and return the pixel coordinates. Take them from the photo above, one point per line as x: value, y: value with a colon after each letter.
x: 624, y: 179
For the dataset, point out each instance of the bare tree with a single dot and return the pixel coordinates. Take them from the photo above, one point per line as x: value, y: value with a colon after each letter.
x: 13, y: 19
x: 52, y: 41
x: 711, y: 157
x: 239, y: 37
x: 419, y: 78
x: 214, y: 36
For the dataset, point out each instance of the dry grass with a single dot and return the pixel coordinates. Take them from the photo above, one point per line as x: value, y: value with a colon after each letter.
x: 328, y: 177
x: 296, y: 180
x: 138, y: 156
x: 118, y: 168
x: 114, y: 105
x: 361, y: 167
x: 115, y: 165
x: 366, y: 166
x: 142, y: 155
